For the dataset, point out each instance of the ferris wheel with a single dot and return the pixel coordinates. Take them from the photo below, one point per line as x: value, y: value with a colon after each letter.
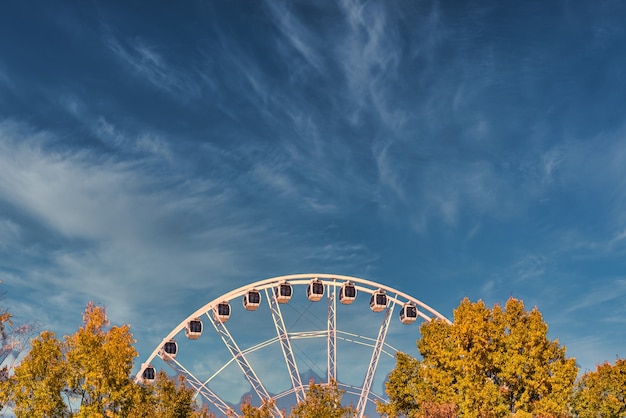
x: 282, y: 327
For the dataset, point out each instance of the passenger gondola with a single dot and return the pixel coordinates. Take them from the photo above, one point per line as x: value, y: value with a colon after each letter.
x: 408, y: 314
x: 283, y: 292
x: 148, y: 374
x: 378, y: 301
x: 221, y: 312
x: 347, y: 294
x: 315, y: 290
x: 169, y: 350
x: 252, y: 300
x: 193, y: 329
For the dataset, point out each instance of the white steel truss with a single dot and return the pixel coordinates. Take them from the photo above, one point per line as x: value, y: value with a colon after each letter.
x: 199, y: 387
x: 285, y: 344
x: 246, y: 368
x: 371, y: 370
x: 332, y: 333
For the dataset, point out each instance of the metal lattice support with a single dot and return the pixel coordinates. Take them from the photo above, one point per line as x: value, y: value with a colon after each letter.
x: 371, y: 370
x: 332, y: 333
x: 285, y: 344
x: 246, y: 368
x: 200, y: 387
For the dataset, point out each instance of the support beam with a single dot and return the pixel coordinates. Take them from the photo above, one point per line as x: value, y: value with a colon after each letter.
x: 200, y: 388
x: 371, y: 370
x: 246, y: 368
x: 285, y: 344
x: 332, y: 333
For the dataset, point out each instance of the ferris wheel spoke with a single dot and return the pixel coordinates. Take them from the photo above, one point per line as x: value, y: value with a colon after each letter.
x: 285, y: 344
x: 332, y: 333
x: 245, y: 366
x: 200, y: 387
x: 371, y: 370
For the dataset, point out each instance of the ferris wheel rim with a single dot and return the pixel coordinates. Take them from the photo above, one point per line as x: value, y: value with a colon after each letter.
x: 300, y: 278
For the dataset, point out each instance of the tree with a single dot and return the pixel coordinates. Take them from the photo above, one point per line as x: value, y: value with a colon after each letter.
x: 165, y: 397
x: 322, y: 401
x: 172, y: 398
x: 603, y: 392
x: 265, y: 410
x: 39, y: 380
x: 13, y: 341
x: 99, y: 362
x: 92, y: 369
x: 487, y: 363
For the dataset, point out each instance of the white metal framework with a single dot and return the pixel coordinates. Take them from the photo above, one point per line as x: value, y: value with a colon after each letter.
x: 332, y: 333
x: 285, y: 344
x: 284, y: 338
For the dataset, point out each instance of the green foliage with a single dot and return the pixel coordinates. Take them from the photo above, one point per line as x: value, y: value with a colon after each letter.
x: 488, y: 363
x: 322, y: 401
x: 603, y: 392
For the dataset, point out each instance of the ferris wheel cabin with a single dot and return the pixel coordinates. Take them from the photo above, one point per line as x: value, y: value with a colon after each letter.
x: 252, y: 300
x: 378, y: 301
x: 315, y: 290
x: 408, y: 315
x: 169, y: 350
x: 148, y: 374
x: 283, y: 292
x: 221, y: 312
x: 347, y: 294
x: 193, y: 329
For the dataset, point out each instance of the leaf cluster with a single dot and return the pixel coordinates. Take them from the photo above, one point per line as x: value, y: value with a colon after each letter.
x: 321, y: 401
x: 488, y: 363
x: 602, y: 392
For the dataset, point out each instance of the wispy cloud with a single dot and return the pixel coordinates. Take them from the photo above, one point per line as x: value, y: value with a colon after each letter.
x: 369, y: 54
x: 297, y: 34
x: 597, y: 295
x: 127, y: 227
x: 149, y: 63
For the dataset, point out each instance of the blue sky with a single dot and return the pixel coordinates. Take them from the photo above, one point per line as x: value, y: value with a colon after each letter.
x: 153, y: 158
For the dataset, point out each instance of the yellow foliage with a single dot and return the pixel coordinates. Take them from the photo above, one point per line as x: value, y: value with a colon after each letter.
x: 488, y: 363
x: 603, y: 392
x: 87, y: 374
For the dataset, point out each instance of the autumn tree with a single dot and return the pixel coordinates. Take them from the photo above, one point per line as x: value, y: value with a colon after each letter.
x: 602, y: 393
x: 90, y: 368
x: 322, y: 401
x: 13, y: 341
x: 166, y: 398
x: 265, y: 410
x: 87, y: 374
x: 99, y: 361
x: 487, y: 363
x: 40, y: 379
x: 172, y: 399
